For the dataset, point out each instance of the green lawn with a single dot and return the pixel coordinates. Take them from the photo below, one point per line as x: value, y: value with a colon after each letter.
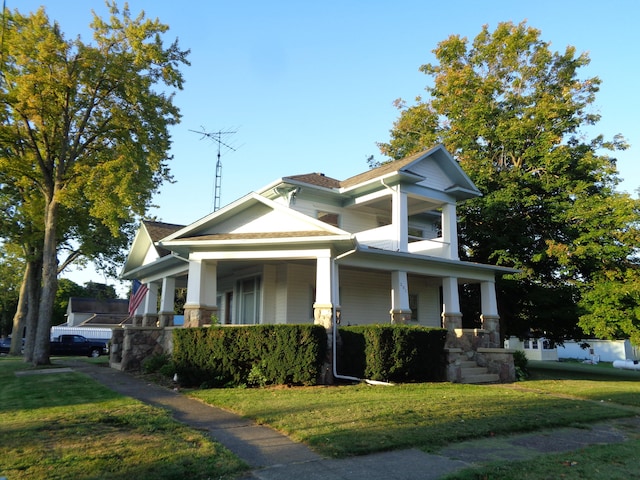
x: 65, y: 425
x: 356, y: 420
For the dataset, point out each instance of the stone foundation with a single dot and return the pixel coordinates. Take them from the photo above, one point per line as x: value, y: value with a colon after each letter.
x: 130, y: 346
x: 198, y: 316
x: 400, y: 317
x: 498, y: 360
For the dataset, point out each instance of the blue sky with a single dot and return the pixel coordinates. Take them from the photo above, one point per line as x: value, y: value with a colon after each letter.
x: 308, y: 86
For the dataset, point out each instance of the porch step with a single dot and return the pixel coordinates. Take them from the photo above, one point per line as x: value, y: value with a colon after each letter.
x: 480, y: 378
x: 472, y: 373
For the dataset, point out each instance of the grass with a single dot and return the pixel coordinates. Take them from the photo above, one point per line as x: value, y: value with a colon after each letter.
x: 65, y: 425
x: 611, y: 462
x: 594, y: 383
x: 356, y: 420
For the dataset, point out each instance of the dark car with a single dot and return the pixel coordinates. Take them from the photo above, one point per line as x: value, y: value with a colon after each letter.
x: 5, y: 344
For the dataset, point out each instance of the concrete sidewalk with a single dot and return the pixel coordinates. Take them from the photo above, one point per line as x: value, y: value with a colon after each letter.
x: 274, y: 456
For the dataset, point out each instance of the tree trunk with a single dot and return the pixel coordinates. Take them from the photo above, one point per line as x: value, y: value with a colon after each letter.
x: 19, y: 318
x: 33, y: 301
x: 49, y: 284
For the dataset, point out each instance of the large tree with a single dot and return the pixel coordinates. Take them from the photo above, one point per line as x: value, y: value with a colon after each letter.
x: 85, y: 124
x: 513, y: 112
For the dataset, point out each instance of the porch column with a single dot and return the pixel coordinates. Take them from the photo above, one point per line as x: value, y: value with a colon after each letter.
x: 323, y: 305
x: 137, y: 316
x: 490, y: 318
x: 323, y: 309
x: 167, y: 301
x: 451, y: 315
x: 202, y: 288
x: 150, y: 317
x: 400, y: 310
x: 400, y: 220
x: 450, y: 229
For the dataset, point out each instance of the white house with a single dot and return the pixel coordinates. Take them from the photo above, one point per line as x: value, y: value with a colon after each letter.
x: 381, y: 246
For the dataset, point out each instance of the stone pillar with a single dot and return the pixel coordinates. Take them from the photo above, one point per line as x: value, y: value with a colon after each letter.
x: 490, y: 318
x: 400, y: 310
x: 449, y: 222
x: 400, y: 220
x: 150, y: 317
x: 165, y: 317
x: 202, y: 290
x: 451, y: 315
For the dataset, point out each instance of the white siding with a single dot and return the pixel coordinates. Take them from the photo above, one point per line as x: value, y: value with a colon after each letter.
x: 365, y: 297
x: 302, y: 280
x: 434, y: 175
x: 269, y: 294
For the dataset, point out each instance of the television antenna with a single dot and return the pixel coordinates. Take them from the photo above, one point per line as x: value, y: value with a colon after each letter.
x: 217, y: 137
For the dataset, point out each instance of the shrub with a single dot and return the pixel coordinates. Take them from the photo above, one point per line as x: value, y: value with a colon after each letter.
x: 520, y: 362
x: 249, y: 355
x: 398, y: 353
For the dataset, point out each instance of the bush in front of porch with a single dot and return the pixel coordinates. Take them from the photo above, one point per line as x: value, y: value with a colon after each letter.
x: 258, y: 355
x: 397, y: 353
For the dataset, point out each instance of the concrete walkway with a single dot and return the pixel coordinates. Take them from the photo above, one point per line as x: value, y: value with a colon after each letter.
x: 274, y: 456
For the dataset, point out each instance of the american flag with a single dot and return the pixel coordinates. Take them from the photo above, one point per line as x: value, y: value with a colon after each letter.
x: 138, y: 292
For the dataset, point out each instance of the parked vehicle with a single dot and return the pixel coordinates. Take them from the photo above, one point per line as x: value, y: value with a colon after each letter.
x: 78, y: 345
x: 5, y: 344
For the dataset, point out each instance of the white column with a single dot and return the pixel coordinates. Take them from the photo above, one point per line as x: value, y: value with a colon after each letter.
x: 400, y: 220
x: 323, y: 280
x: 151, y: 299
x: 168, y: 294
x: 450, y: 296
x: 400, y: 310
x: 202, y: 284
x: 150, y: 316
x: 488, y: 298
x: 202, y: 289
x: 450, y: 229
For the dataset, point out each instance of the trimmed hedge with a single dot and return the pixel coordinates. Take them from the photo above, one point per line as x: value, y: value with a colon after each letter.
x: 249, y: 355
x: 397, y: 353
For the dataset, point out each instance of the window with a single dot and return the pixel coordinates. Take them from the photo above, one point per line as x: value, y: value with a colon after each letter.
x: 329, y: 217
x: 248, y: 301
x: 413, y: 305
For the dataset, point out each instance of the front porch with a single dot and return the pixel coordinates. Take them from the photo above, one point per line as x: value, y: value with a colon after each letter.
x: 346, y: 290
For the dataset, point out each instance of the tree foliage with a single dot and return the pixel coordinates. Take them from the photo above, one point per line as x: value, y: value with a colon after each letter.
x: 514, y: 113
x: 85, y: 130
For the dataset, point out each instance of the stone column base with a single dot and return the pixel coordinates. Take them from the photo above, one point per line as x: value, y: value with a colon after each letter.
x: 136, y: 320
x: 453, y: 323
x: 150, y: 320
x: 491, y: 327
x: 198, y: 316
x: 400, y: 316
x: 165, y: 319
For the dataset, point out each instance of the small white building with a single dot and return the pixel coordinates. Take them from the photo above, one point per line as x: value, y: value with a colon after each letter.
x: 591, y: 350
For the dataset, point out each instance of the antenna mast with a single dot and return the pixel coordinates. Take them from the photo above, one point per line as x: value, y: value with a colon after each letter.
x: 217, y: 137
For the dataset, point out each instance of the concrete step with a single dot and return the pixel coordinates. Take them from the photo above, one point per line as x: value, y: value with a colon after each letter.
x: 480, y: 378
x: 467, y: 364
x: 474, y: 370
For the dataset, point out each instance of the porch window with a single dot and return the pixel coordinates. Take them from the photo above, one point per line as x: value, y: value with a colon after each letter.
x: 413, y: 305
x: 248, y: 301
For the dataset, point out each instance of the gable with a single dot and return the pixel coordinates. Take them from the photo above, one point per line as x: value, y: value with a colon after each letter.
x: 253, y: 214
